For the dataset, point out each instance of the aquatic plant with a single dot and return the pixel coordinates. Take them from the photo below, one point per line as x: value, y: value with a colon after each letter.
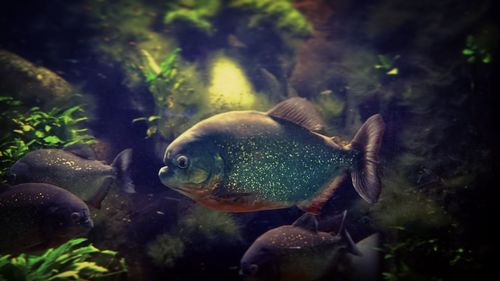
x: 210, y: 224
x: 475, y: 51
x: 178, y: 106
x: 199, y: 230
x: 197, y: 14
x: 282, y: 14
x: 166, y: 249
x: 165, y: 82
x: 159, y: 79
x: 73, y: 260
x: 400, y: 255
x: 202, y: 15
x: 25, y: 129
x: 387, y: 64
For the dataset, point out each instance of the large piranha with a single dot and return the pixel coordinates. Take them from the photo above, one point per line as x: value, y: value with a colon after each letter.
x: 242, y: 161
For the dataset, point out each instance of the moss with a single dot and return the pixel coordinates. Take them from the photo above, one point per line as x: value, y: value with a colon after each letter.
x: 200, y: 230
x: 330, y: 106
x: 281, y: 14
x: 210, y: 224
x: 166, y: 249
x: 201, y: 15
x: 402, y: 205
x: 195, y: 14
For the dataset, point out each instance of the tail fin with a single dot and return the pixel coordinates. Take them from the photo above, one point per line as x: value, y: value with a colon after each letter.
x: 121, y: 164
x: 365, y: 176
x: 367, y: 266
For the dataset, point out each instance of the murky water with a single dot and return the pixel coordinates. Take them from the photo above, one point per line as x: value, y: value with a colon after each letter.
x: 98, y: 77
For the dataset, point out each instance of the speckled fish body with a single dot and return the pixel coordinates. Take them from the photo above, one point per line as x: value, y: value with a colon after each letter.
x: 36, y: 216
x: 297, y: 252
x: 248, y: 160
x: 89, y: 179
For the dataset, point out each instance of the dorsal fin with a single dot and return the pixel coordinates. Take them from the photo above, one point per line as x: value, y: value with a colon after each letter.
x: 307, y: 221
x: 299, y: 111
x: 82, y: 150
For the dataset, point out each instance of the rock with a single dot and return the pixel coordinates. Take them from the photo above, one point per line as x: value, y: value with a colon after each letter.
x: 32, y: 84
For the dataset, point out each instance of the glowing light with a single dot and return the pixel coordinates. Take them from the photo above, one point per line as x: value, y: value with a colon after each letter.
x: 229, y: 86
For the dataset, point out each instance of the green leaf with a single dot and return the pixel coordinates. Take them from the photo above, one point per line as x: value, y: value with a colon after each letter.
x: 39, y: 134
x: 385, y: 62
x: 487, y: 58
x: 153, y: 118
x: 47, y: 128
x: 168, y: 63
x: 70, y: 274
x: 109, y: 252
x: 52, y: 140
x: 468, y: 52
x: 91, y: 266
x: 27, y: 128
x: 139, y: 119
x: 151, y: 131
x: 393, y: 71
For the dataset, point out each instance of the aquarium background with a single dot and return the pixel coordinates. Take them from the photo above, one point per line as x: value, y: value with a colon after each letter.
x: 136, y: 74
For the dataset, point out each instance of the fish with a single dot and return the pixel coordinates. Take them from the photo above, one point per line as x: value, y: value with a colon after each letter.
x: 301, y: 252
x: 75, y: 169
x: 36, y: 216
x: 243, y: 161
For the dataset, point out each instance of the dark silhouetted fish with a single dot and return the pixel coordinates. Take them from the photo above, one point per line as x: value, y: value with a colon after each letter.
x: 35, y: 216
x: 247, y: 160
x: 301, y: 252
x: 75, y: 169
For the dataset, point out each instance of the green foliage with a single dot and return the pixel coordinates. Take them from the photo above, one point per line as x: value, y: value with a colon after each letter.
x: 166, y: 249
x: 475, y: 51
x: 386, y: 64
x: 24, y: 129
x: 164, y: 81
x: 70, y: 261
x: 199, y: 230
x: 197, y: 14
x: 281, y: 13
x: 210, y: 224
x: 400, y: 256
x: 201, y: 15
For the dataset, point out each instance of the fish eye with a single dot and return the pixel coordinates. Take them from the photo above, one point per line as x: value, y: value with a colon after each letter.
x: 75, y: 216
x: 182, y: 162
x: 253, y: 268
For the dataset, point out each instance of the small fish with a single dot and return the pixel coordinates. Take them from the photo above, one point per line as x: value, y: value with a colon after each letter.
x: 36, y: 216
x: 299, y: 252
x: 75, y: 169
x: 243, y: 161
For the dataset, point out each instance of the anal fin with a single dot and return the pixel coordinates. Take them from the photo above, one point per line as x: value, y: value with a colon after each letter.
x: 315, y: 204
